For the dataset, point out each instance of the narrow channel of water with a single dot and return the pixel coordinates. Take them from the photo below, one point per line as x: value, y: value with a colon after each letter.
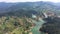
x: 36, y: 28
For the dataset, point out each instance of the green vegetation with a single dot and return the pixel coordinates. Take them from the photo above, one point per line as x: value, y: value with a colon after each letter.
x: 13, y: 25
x: 52, y: 25
x: 16, y: 18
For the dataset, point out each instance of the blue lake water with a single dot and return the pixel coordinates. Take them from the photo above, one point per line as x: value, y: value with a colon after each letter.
x: 35, y: 29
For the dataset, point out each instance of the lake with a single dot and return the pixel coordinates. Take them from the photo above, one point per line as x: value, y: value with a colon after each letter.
x: 35, y: 29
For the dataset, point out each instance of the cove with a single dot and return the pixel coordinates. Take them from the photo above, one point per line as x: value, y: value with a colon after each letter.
x: 35, y: 29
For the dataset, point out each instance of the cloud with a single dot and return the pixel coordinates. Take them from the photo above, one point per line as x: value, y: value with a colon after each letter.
x: 17, y: 0
x: 27, y: 0
x: 52, y: 0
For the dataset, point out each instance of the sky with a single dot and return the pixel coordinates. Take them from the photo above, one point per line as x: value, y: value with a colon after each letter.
x: 28, y: 0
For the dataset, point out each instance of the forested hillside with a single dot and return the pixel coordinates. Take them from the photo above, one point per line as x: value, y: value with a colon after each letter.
x: 16, y: 18
x: 29, y: 6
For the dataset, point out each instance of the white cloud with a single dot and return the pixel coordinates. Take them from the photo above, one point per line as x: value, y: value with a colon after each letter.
x: 27, y: 0
x: 52, y: 0
x: 17, y: 0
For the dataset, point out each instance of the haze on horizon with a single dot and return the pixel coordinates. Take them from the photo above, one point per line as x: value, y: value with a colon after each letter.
x: 28, y: 0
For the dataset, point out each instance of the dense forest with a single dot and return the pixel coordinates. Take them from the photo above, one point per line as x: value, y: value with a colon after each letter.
x: 16, y: 18
x: 52, y: 25
x: 29, y: 7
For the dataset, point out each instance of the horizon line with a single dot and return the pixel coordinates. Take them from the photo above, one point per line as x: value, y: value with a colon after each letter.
x: 29, y: 1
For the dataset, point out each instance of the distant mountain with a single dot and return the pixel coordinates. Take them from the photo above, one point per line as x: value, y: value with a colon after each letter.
x: 4, y: 6
x: 26, y: 7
